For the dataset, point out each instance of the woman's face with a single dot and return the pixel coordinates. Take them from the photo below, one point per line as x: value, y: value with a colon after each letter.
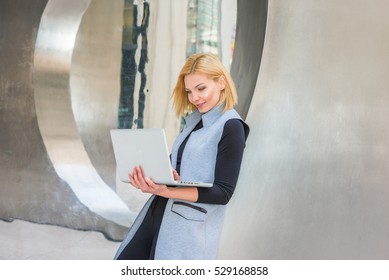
x: 203, y: 92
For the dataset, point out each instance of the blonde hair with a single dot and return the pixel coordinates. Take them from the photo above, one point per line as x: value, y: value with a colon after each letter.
x: 209, y: 65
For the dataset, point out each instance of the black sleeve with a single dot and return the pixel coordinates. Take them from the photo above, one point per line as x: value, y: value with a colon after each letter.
x: 228, y: 161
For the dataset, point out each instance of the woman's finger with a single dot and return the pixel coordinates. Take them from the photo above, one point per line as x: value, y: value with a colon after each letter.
x: 134, y: 174
x: 139, y: 174
x: 176, y: 176
x: 134, y: 179
x: 150, y: 182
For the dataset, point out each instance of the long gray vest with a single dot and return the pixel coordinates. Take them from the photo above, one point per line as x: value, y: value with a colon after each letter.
x: 191, y: 230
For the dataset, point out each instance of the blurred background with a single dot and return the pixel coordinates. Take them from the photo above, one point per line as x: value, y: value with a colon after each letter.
x: 312, y: 84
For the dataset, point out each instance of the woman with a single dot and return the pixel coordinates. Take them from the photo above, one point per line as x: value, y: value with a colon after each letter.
x: 185, y: 223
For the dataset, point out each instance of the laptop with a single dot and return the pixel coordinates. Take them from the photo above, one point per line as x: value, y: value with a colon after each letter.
x: 146, y: 147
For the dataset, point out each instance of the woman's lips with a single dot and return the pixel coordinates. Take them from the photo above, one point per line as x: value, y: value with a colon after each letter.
x: 200, y: 105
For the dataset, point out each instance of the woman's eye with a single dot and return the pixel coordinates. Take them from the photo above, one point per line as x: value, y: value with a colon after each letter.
x: 201, y: 88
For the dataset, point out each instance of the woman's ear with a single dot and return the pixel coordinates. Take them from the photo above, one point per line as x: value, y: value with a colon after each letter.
x: 222, y: 82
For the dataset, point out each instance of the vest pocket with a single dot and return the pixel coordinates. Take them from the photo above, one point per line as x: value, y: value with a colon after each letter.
x: 189, y: 211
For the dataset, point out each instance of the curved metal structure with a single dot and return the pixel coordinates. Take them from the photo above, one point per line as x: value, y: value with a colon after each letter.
x: 314, y: 178
x: 51, y: 175
x: 57, y: 101
x: 54, y: 58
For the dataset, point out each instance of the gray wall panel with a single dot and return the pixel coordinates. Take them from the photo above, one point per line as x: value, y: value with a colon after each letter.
x: 314, y: 182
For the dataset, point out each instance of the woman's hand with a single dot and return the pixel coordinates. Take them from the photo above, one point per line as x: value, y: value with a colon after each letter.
x: 145, y: 184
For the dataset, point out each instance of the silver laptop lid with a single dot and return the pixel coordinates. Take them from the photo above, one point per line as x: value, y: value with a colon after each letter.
x: 144, y: 147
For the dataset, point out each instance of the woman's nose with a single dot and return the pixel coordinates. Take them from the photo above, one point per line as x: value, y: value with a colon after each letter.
x: 195, y: 96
